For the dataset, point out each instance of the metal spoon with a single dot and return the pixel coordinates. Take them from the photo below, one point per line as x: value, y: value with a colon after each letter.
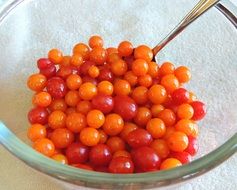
x: 201, y: 7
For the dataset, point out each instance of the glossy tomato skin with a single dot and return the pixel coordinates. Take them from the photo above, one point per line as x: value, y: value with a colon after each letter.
x: 106, y: 74
x: 180, y: 96
x: 199, y: 110
x: 125, y: 107
x: 121, y: 165
x: 183, y: 157
x: 145, y: 159
x: 192, y: 145
x: 77, y: 153
x: 43, y: 63
x: 56, y: 87
x: 139, y: 138
x: 38, y: 115
x: 49, y: 71
x: 103, y: 103
x: 100, y: 155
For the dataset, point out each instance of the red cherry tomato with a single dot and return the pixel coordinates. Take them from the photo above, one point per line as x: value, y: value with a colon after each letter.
x: 121, y: 165
x: 38, y: 115
x: 100, y: 155
x: 77, y: 153
x: 138, y: 138
x: 125, y: 107
x: 199, y: 110
x: 183, y: 157
x: 103, y: 103
x: 145, y: 159
x: 56, y: 87
x: 180, y: 96
x: 106, y: 74
x: 192, y: 146
x: 43, y: 63
x: 49, y: 72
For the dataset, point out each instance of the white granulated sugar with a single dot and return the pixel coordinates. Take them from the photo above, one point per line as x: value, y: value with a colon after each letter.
x: 208, y: 47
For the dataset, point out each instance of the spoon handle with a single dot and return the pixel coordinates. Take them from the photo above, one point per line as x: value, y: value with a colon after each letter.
x: 201, y: 7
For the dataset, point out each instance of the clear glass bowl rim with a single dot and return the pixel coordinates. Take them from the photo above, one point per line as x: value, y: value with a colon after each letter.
x: 75, y: 176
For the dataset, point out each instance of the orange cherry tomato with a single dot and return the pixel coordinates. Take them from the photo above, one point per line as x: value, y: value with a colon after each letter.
x: 44, y: 146
x: 87, y: 91
x: 36, y: 82
x: 75, y: 122
x: 95, y: 118
x: 113, y: 124
x: 36, y: 131
x: 89, y: 136
x: 143, y: 52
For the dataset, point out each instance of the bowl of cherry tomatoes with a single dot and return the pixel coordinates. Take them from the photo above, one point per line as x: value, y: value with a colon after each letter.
x: 100, y: 110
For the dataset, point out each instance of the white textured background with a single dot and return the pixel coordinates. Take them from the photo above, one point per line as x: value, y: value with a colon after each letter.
x: 14, y: 175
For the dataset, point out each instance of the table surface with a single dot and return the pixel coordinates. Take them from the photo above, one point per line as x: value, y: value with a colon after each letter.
x: 15, y: 175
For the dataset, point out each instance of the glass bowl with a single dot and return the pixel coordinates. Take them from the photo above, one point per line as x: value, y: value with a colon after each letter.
x: 28, y: 29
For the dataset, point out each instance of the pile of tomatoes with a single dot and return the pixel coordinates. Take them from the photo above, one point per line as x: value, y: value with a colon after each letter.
x: 113, y: 110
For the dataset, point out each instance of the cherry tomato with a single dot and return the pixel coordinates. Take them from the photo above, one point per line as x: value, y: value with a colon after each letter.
x: 143, y: 52
x: 36, y: 131
x: 192, y: 147
x: 199, y: 110
x: 160, y: 147
x: 143, y: 116
x: 62, y: 137
x: 44, y: 146
x: 89, y: 136
x: 82, y: 49
x: 125, y: 48
x: 156, y: 127
x: 138, y: 138
x: 60, y: 158
x: 145, y: 159
x: 43, y: 63
x: 49, y: 72
x: 104, y: 103
x: 38, y: 115
x: 87, y: 91
x: 180, y: 96
x: 113, y: 124
x: 183, y: 157
x: 157, y: 94
x: 95, y: 118
x: 140, y: 95
x: 77, y: 153
x: 56, y: 87
x: 121, y: 165
x: 178, y: 141
x: 57, y: 119
x: 170, y: 163
x: 75, y: 122
x: 84, y: 107
x: 100, y: 155
x: 106, y: 74
x: 36, y: 82
x: 96, y: 41
x: 115, y: 144
x: 125, y: 107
